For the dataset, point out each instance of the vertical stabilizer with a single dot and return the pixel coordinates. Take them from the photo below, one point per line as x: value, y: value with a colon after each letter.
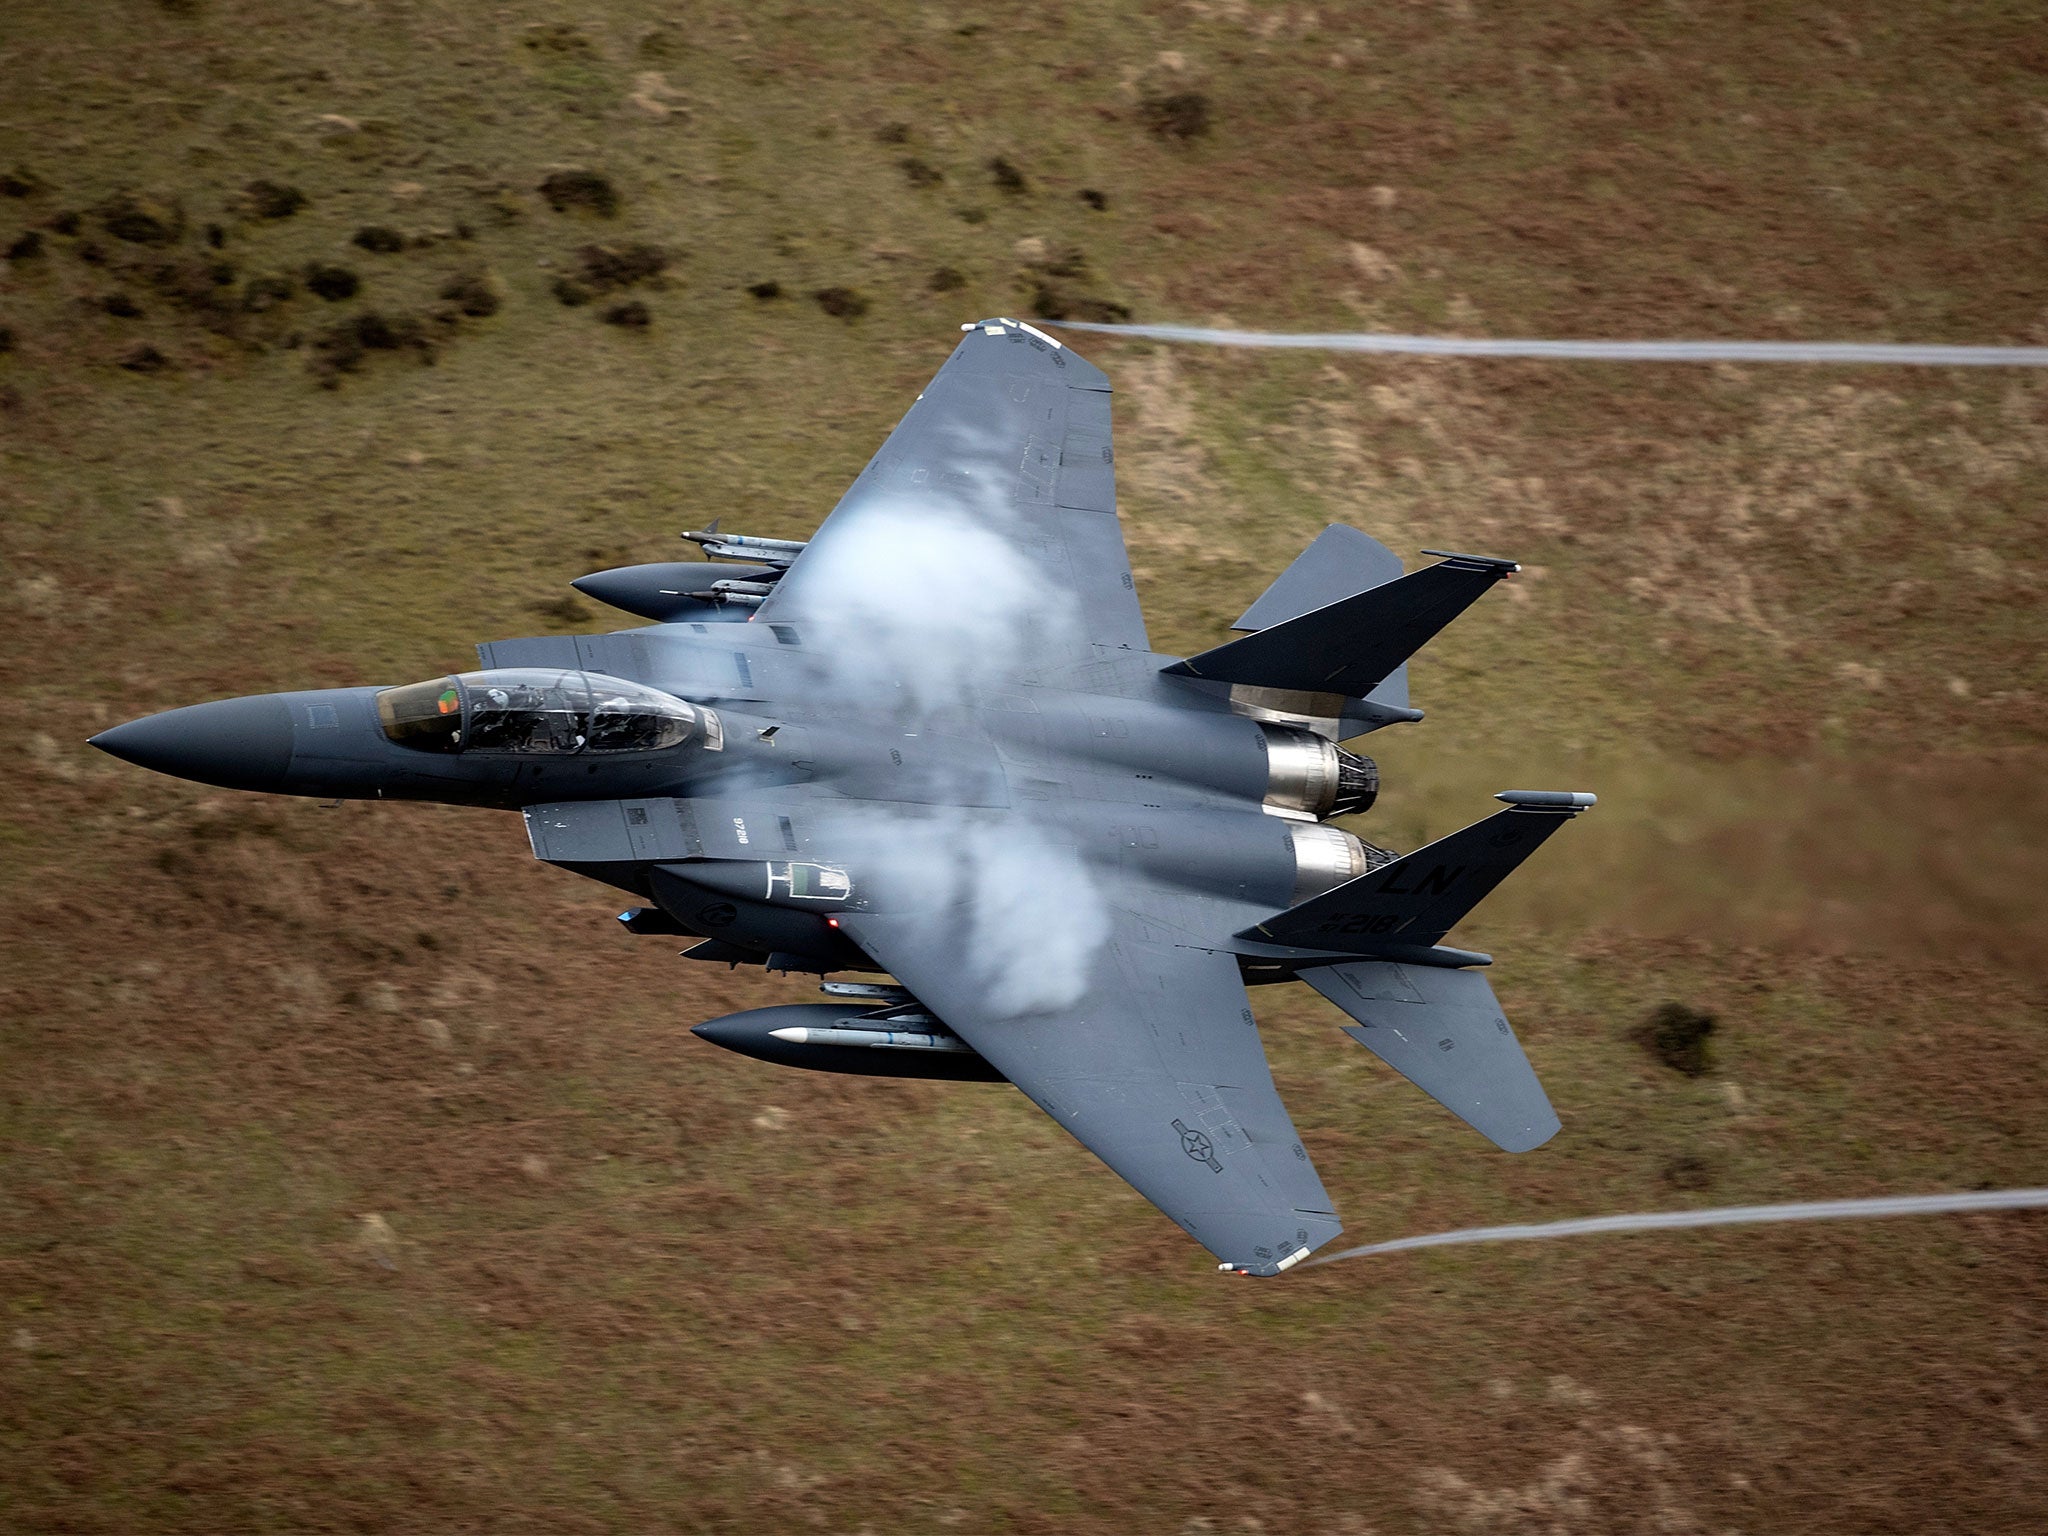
x: 1341, y: 563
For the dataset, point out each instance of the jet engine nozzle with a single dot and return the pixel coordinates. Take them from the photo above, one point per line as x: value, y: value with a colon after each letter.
x: 1358, y: 783
x: 1324, y: 858
x: 1309, y: 777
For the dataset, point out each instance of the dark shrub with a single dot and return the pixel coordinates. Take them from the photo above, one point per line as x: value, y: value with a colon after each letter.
x: 1006, y: 175
x: 272, y: 199
x: 261, y: 293
x: 632, y: 315
x: 1678, y: 1037
x: 141, y: 220
x: 1183, y: 115
x: 332, y: 283
x: 920, y: 173
x: 197, y: 283
x: 765, y: 291
x: 1054, y: 301
x: 621, y: 266
x: 387, y: 333
x: 557, y: 37
x: 1070, y: 262
x: 1688, y: 1173
x: 841, y: 303
x: 581, y: 191
x: 342, y: 346
x: 473, y: 293
x: 380, y: 239
x: 946, y: 280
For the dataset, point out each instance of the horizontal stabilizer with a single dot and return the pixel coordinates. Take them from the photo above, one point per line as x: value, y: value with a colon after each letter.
x: 1444, y: 1031
x: 1413, y: 902
x: 1351, y: 646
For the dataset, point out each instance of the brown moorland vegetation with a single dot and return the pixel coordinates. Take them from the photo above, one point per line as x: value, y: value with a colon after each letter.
x: 356, y: 1174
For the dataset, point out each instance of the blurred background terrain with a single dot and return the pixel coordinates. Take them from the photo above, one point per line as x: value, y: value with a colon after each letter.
x: 357, y: 1174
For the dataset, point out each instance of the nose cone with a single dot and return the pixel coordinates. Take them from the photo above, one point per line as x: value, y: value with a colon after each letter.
x: 235, y: 743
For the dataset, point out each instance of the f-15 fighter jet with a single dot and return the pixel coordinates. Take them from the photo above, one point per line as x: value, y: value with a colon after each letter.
x: 933, y: 744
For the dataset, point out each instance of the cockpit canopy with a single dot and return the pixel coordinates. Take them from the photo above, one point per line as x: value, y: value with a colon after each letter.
x: 533, y: 710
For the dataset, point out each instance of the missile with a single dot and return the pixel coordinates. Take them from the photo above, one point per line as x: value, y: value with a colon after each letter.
x: 873, y: 1039
x: 1550, y: 799
x: 740, y: 546
x: 881, y: 992
x: 744, y: 540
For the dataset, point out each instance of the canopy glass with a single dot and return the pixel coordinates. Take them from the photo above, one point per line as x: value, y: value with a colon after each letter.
x: 536, y: 711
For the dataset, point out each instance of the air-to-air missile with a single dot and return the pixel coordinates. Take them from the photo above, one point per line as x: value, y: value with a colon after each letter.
x: 742, y: 546
x: 872, y: 1039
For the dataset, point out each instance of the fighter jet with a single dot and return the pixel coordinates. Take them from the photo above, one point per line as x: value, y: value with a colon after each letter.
x: 933, y: 744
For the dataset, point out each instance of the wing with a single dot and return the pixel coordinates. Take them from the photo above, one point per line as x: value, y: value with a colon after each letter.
x: 1156, y: 1068
x: 992, y: 504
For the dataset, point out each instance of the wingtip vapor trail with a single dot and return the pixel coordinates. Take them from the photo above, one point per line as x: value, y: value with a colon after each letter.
x: 1723, y: 1216
x: 1907, y: 354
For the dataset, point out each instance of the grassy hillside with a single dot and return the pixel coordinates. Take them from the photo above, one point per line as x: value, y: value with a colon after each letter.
x: 355, y: 1175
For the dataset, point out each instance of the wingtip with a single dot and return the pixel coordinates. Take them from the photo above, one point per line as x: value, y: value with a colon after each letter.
x: 997, y: 324
x: 1265, y: 1271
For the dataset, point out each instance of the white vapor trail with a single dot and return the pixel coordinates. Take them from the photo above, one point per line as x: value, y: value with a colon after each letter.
x: 1725, y: 1216
x: 1610, y: 351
